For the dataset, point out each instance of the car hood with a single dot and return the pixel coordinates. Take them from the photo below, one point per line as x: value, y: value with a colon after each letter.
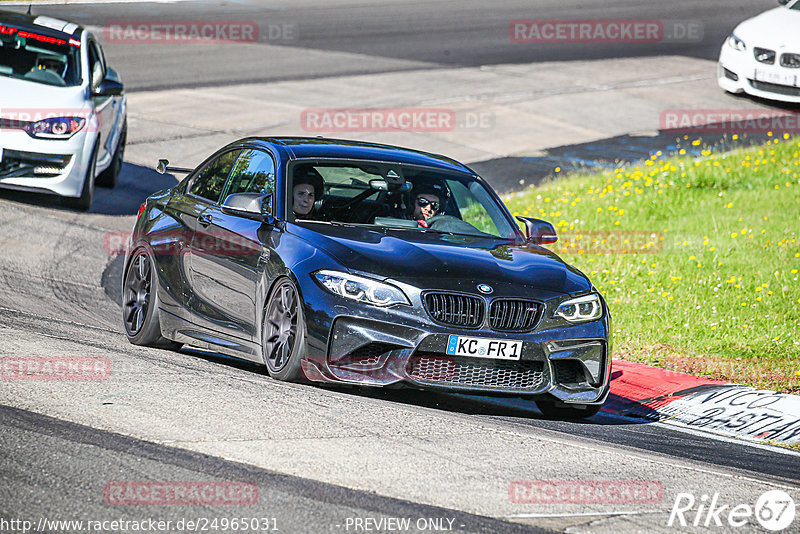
x: 23, y: 96
x: 448, y: 261
x: 773, y: 29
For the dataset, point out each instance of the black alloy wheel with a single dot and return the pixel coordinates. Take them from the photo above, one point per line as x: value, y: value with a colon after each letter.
x: 283, y: 334
x: 136, y: 294
x: 140, y: 304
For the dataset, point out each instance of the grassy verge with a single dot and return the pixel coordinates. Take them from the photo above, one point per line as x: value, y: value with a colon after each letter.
x: 697, y: 257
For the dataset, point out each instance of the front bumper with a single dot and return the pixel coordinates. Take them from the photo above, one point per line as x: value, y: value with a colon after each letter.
x: 736, y: 74
x: 44, y: 165
x: 402, y: 347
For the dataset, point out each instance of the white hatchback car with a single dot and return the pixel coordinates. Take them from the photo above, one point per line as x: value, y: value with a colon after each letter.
x: 762, y: 55
x: 62, y: 110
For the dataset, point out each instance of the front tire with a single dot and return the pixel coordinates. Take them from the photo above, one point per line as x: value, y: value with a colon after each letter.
x: 551, y: 410
x: 140, y: 303
x: 283, y: 333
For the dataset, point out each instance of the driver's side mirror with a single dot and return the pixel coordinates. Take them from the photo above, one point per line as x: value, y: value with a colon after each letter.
x: 539, y: 232
x: 256, y: 206
x: 784, y: 2
x: 108, y: 87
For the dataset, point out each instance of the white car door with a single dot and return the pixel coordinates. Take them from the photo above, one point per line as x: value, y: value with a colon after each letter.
x: 104, y: 106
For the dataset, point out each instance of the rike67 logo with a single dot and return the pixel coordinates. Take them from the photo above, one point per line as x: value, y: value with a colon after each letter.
x: 774, y: 510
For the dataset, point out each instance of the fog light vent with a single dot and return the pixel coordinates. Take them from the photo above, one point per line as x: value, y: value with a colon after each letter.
x: 569, y: 372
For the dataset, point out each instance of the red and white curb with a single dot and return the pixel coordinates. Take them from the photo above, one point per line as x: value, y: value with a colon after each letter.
x: 699, y: 403
x: 695, y: 404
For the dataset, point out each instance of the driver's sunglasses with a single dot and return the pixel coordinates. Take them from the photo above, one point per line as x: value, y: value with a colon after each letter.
x: 422, y: 201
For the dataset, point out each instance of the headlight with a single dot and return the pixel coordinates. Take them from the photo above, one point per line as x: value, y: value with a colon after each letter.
x: 736, y: 43
x: 361, y: 289
x: 581, y: 309
x: 56, y: 127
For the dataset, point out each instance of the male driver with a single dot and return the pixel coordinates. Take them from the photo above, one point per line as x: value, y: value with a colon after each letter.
x: 426, y: 205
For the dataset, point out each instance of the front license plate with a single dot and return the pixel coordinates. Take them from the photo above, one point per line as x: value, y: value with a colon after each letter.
x: 481, y: 347
x: 779, y: 78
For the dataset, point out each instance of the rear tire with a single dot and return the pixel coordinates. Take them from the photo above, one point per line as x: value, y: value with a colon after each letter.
x: 283, y: 333
x: 140, y: 303
x: 108, y: 178
x: 578, y: 411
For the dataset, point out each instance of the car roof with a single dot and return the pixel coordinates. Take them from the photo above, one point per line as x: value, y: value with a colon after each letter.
x: 41, y: 24
x: 325, y: 148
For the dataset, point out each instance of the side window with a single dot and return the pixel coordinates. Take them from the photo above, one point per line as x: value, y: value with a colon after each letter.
x: 472, y: 208
x: 254, y: 172
x: 209, y: 182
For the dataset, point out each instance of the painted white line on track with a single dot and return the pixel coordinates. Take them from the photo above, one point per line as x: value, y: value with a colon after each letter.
x: 585, y: 514
x: 674, y: 425
x: 721, y: 437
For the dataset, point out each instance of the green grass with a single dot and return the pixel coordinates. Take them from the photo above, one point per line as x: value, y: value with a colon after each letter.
x: 707, y: 281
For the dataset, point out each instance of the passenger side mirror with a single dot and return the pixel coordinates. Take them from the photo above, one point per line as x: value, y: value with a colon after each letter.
x: 254, y: 206
x: 164, y: 167
x: 108, y: 88
x: 784, y: 2
x: 539, y: 232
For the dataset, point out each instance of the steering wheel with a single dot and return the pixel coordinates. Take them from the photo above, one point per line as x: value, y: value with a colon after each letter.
x: 452, y: 224
x: 436, y: 218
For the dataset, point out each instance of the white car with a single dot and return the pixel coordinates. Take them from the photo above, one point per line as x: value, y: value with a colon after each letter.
x: 62, y: 110
x: 762, y: 55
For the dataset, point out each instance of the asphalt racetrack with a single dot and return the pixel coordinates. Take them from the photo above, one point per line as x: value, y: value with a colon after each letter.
x: 340, y: 459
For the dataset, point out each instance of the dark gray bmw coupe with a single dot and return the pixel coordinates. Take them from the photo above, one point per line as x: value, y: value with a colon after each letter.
x: 364, y: 264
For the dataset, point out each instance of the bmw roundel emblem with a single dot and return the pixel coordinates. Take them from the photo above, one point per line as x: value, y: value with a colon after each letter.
x: 485, y: 288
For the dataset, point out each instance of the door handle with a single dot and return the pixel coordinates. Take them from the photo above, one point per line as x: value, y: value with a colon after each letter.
x: 204, y: 220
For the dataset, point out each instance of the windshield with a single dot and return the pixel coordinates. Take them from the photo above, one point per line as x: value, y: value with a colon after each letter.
x: 39, y: 58
x: 386, y: 195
